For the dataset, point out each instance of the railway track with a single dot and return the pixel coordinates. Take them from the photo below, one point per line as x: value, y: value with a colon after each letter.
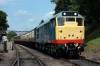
x: 1, y: 57
x: 75, y: 62
x: 26, y: 58
x: 16, y: 62
x: 81, y: 62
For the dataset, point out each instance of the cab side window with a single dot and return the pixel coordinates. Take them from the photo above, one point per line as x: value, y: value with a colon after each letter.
x: 53, y: 22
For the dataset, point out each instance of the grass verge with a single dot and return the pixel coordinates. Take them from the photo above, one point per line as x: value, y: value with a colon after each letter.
x: 93, y: 38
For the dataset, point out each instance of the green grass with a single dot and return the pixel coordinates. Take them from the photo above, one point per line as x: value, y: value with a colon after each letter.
x: 93, y: 45
x: 93, y: 39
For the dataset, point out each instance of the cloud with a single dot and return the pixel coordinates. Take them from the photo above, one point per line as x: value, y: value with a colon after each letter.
x: 48, y: 15
x: 22, y: 26
x: 17, y: 19
x: 4, y: 3
x: 22, y: 12
x: 33, y: 19
x: 13, y: 2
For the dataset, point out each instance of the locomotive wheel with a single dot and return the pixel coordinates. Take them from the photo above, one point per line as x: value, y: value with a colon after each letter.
x: 49, y: 51
x: 36, y: 45
x: 56, y: 54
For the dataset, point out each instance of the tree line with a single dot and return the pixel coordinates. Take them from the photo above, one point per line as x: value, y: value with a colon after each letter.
x: 90, y: 9
x: 4, y: 25
x: 3, y: 21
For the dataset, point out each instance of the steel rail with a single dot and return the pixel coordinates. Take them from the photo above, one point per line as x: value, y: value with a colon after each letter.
x: 78, y: 62
x: 75, y: 64
x: 17, y: 58
x: 91, y: 61
x: 40, y: 61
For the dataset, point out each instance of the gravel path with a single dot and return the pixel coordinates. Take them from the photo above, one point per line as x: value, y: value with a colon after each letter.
x: 95, y: 56
x: 8, y: 58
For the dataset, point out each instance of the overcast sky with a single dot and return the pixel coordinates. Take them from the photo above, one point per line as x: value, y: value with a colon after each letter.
x: 26, y: 14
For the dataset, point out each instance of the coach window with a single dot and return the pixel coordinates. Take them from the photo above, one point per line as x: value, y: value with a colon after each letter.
x: 42, y: 28
x: 26, y: 36
x: 49, y: 25
x: 79, y: 21
x: 45, y: 27
x: 37, y: 36
x: 38, y: 30
x: 53, y: 22
x: 60, y: 21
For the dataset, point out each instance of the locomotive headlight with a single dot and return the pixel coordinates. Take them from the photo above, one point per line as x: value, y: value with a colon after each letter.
x: 65, y: 45
x: 76, y: 44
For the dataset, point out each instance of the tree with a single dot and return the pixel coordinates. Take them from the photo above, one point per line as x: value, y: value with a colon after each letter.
x: 11, y: 35
x: 61, y: 5
x: 88, y: 8
x: 54, y: 1
x: 42, y: 21
x: 3, y: 21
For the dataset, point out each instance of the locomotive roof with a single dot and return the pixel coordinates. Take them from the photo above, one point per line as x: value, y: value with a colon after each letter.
x: 43, y: 23
x: 60, y: 15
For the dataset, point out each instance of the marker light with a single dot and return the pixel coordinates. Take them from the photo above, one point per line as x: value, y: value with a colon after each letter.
x: 81, y: 31
x: 64, y: 13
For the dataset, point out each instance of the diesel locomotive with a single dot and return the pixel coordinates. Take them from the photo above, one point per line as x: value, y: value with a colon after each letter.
x: 61, y: 34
